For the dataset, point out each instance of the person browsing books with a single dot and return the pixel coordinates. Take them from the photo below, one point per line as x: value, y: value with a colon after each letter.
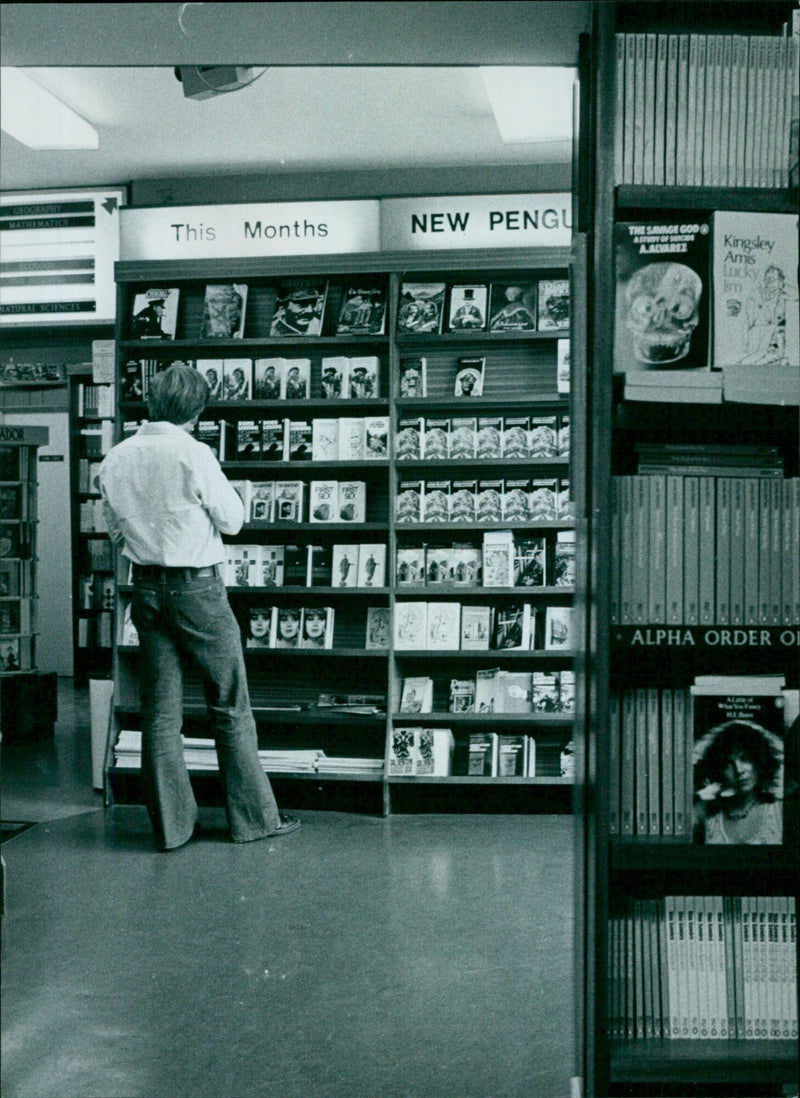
x: 167, y: 502
x: 736, y: 769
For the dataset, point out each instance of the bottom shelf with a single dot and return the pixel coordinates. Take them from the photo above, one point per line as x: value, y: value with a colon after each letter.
x: 721, y: 1065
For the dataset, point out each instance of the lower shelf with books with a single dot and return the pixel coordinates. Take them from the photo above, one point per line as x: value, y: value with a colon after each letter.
x: 664, y: 1067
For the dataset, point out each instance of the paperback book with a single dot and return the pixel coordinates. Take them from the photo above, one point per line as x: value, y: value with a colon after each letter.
x: 237, y: 379
x: 413, y: 378
x: 371, y: 565
x: 223, y: 311
x: 334, y: 376
x: 299, y: 308
x: 379, y: 627
x: 155, y: 313
x: 421, y: 307
x: 416, y: 695
x: 344, y: 566
x: 512, y: 307
x: 363, y: 310
x: 363, y: 381
x: 316, y: 629
x: 662, y: 290
x: 467, y: 308
x: 553, y: 305
x: 267, y: 377
x: 410, y: 625
x: 295, y: 379
x: 469, y: 378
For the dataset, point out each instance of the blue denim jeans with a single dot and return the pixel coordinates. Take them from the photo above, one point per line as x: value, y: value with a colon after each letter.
x: 190, y: 618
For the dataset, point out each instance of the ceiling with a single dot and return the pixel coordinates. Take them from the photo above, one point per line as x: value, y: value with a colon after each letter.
x: 291, y: 119
x: 348, y: 87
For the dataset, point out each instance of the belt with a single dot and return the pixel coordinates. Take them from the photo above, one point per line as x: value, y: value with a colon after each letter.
x: 161, y: 572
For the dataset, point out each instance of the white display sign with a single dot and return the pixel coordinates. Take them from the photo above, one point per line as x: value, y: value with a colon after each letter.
x: 250, y: 230
x: 57, y: 255
x: 476, y: 221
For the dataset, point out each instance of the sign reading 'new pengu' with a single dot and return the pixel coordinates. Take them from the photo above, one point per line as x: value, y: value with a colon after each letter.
x: 345, y: 227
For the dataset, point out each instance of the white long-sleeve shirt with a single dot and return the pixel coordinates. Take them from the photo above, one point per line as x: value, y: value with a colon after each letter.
x: 166, y: 498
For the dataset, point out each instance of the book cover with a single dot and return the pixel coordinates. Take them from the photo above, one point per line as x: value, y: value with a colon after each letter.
x: 131, y: 385
x: 545, y: 436
x: 498, y: 559
x: 417, y: 695
x: 463, y: 500
x: 286, y: 630
x: 371, y: 565
x: 563, y: 366
x: 237, y: 379
x: 516, y: 436
x: 223, y: 311
x: 421, y: 307
x: 154, y: 314
x: 483, y: 748
x: 512, y: 307
x: 515, y: 691
x: 467, y: 565
x: 295, y: 379
x: 299, y: 308
x: 544, y: 499
x: 259, y: 625
x: 443, y: 625
x: 462, y: 696
x: 267, y: 377
x: 565, y: 505
x: 564, y: 559
x: 467, y: 308
x: 511, y: 756
x: 513, y: 627
x: 408, y: 505
x: 270, y: 566
x: 490, y: 437
x: 553, y: 305
x: 463, y: 437
x: 300, y: 437
x: 316, y: 627
x: 410, y: 626
x: 737, y: 760
x: 363, y: 310
x: 334, y: 377
x: 209, y: 431
x: 248, y: 440
x: 470, y: 376
x: 436, y: 445
x: 352, y: 501
x: 130, y: 635
x: 476, y: 627
x: 558, y: 628
x: 516, y: 499
x: 323, y: 500
x: 661, y: 307
x: 344, y: 566
x: 487, y: 689
x: 410, y: 438
x: 376, y: 437
x: 755, y: 311
x: 288, y: 502
x: 319, y: 562
x: 489, y: 506
x: 351, y: 438
x: 363, y: 381
x: 530, y: 562
x: 413, y: 378
x: 401, y: 752
x: 410, y: 566
x: 438, y: 560
x: 437, y: 501
x: 434, y: 752
x: 274, y: 439
x: 325, y: 439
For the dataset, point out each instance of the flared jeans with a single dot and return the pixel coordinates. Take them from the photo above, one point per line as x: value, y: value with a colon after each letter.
x: 183, y: 617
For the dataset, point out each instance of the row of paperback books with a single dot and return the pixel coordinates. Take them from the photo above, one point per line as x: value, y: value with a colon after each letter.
x: 268, y: 502
x: 298, y: 311
x: 502, y: 561
x: 705, y: 550
x: 492, y: 500
x: 421, y: 752
x: 91, y: 516
x: 15, y: 617
x: 201, y: 754
x: 495, y: 690
x: 344, y: 438
x: 502, y: 307
x: 704, y: 967
x: 684, y: 304
x: 446, y: 626
x: 705, y: 110
x: 468, y: 437
x: 228, y: 379
x: 706, y: 764
x: 14, y: 579
x: 350, y: 565
x: 95, y: 401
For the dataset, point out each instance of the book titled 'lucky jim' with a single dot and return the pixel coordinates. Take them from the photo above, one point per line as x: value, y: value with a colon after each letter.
x: 662, y: 296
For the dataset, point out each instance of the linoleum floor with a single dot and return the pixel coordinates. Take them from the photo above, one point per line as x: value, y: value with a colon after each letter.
x: 423, y: 956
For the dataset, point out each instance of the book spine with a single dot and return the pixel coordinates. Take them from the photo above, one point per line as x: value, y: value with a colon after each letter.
x: 741, y: 128
x: 719, y: 109
x: 630, y: 974
x: 751, y: 131
x: 674, y: 583
x: 614, y: 761
x: 651, y: 66
x: 639, y: 110
x: 681, y: 112
x: 718, y: 932
x: 667, y: 763
x: 765, y: 133
x: 630, y: 108
x: 660, y: 108
x: 774, y: 97
x: 644, y: 1021
x: 628, y: 754
x: 626, y: 548
x: 709, y: 110
x: 684, y: 972
x: 641, y: 535
x: 735, y: 924
x: 748, y: 968
x: 619, y: 117
x: 788, y: 552
x: 773, y: 970
x: 723, y: 555
x: 795, y: 557
x: 681, y: 764
x: 775, y: 549
x: 751, y: 535
x: 737, y: 550
x: 669, y: 915
x: 615, y: 551
x: 671, y: 103
x: 704, y: 1008
x: 691, y: 548
x: 691, y: 110
x: 707, y: 550
x: 654, y: 824
x: 657, y: 569
x: 733, y: 121
x: 693, y: 959
x: 641, y: 783
x: 782, y: 111
x: 725, y: 111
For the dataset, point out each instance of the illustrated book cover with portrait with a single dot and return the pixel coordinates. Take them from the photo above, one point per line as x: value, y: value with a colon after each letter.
x: 469, y: 377
x: 155, y: 313
x: 552, y: 299
x: 413, y: 377
x: 737, y: 759
x: 662, y: 297
x: 467, y: 308
x: 512, y: 307
x: 223, y: 311
x: 421, y: 307
x: 299, y: 308
x: 363, y: 310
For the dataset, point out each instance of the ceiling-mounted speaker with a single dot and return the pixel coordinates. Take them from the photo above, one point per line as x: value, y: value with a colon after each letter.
x: 205, y: 81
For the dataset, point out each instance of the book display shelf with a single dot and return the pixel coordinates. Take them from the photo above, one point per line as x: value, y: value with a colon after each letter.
x: 691, y: 978
x: 362, y: 414
x: 92, y: 415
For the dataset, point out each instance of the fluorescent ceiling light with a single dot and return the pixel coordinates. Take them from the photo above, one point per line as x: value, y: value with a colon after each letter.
x: 531, y: 104
x: 36, y: 118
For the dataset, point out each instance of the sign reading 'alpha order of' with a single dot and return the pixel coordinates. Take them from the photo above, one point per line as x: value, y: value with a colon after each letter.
x: 345, y: 227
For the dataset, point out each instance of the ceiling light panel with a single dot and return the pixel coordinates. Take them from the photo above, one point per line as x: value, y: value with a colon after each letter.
x: 37, y: 118
x: 530, y: 104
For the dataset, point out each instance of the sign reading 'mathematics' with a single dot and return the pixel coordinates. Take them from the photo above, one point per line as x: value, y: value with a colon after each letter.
x: 250, y: 230
x: 476, y: 221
